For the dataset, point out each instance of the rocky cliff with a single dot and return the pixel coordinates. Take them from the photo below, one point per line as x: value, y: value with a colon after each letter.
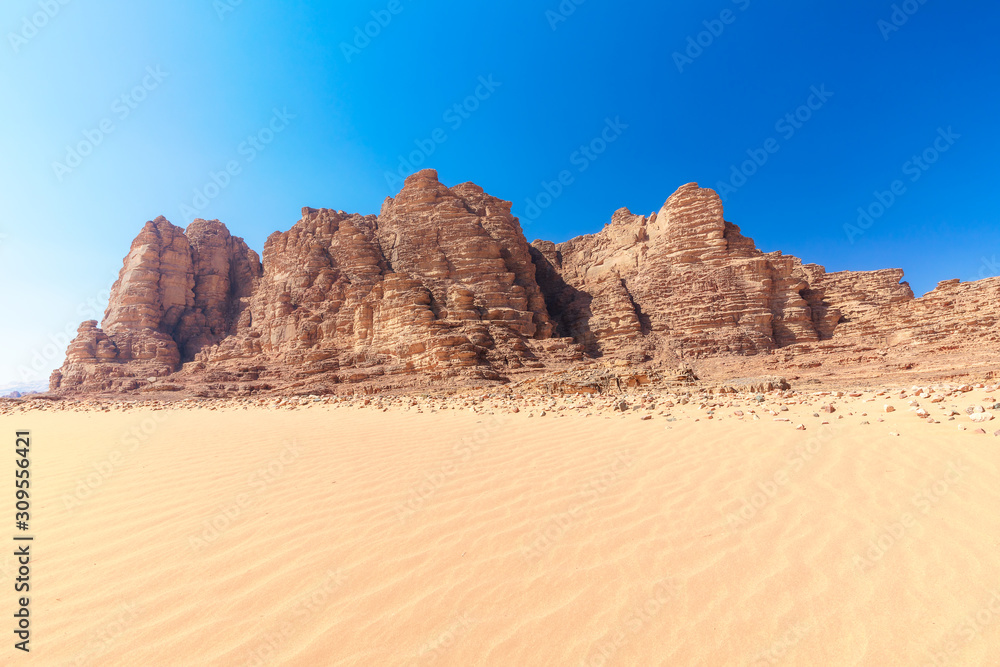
x: 442, y: 285
x: 177, y: 293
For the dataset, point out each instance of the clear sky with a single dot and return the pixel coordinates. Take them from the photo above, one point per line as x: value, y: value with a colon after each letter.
x: 246, y: 111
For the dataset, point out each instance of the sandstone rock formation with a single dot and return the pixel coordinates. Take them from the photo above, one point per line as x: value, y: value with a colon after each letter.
x: 176, y: 293
x: 442, y: 284
x: 687, y: 277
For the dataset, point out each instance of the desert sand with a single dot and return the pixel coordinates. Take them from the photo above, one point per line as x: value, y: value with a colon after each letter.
x: 415, y: 530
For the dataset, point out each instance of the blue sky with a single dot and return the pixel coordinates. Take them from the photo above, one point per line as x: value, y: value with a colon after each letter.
x: 247, y: 111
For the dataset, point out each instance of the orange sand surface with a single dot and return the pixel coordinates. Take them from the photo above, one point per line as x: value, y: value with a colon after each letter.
x: 346, y: 536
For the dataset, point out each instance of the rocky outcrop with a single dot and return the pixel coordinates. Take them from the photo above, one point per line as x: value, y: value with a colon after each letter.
x: 122, y: 361
x: 442, y: 284
x: 856, y: 293
x: 176, y: 292
x: 441, y: 279
x: 953, y: 315
x: 687, y: 277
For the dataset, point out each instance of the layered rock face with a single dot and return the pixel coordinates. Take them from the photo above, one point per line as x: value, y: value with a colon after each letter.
x: 176, y: 293
x: 443, y: 284
x: 442, y: 278
x: 686, y: 278
x: 952, y: 316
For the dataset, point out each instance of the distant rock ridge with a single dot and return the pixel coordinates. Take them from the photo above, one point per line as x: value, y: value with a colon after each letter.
x: 442, y: 285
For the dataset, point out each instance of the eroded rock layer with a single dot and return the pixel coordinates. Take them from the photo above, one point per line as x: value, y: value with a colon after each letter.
x: 176, y: 293
x: 443, y: 284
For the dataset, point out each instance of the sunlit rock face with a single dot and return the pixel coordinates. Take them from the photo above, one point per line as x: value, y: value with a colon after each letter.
x: 442, y: 284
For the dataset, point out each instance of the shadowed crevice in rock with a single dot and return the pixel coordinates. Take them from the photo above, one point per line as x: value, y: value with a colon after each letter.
x: 645, y: 324
x: 569, y: 307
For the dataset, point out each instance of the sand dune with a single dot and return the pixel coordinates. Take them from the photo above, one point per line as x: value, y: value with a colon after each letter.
x: 341, y: 536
